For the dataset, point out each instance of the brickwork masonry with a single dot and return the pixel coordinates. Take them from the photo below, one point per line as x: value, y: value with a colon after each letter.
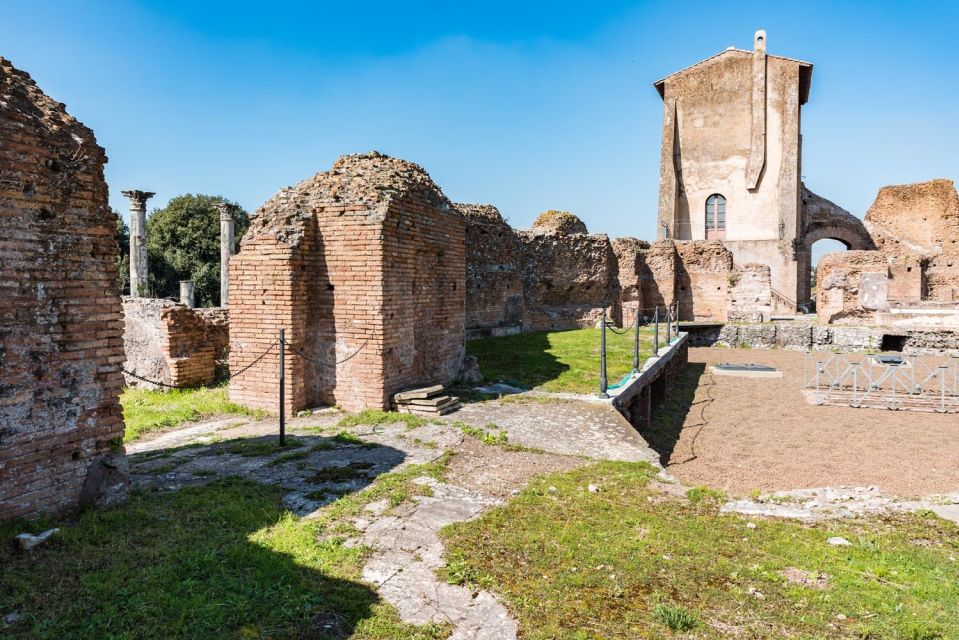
x: 61, y: 342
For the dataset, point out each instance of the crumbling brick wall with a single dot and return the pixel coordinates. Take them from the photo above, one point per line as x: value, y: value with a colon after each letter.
x: 851, y: 286
x: 921, y: 220
x: 631, y: 263
x: 569, y: 279
x: 170, y: 343
x: 703, y: 277
x: 750, y: 296
x: 494, y: 273
x: 61, y: 343
x: 364, y: 266
x: 658, y: 274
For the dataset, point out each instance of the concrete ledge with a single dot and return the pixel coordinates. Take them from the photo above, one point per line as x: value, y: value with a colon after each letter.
x: 650, y: 386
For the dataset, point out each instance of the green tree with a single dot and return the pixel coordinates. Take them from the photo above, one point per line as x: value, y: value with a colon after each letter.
x: 183, y: 243
x: 122, y: 236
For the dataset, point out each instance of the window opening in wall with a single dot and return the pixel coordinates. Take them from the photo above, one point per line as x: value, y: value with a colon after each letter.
x: 716, y: 217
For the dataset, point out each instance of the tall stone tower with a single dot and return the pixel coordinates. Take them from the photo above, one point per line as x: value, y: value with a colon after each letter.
x: 731, y: 158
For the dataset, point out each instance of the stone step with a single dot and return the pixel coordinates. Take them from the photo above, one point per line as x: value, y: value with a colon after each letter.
x: 428, y: 411
x: 416, y: 394
x: 436, y: 401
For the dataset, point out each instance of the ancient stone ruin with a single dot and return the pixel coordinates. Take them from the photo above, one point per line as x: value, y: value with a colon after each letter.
x: 364, y: 267
x: 172, y: 344
x: 61, y: 342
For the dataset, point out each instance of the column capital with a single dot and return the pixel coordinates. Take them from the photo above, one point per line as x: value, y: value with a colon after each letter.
x: 137, y: 198
x: 227, y: 210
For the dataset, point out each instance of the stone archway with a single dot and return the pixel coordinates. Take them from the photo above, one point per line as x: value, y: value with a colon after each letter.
x: 825, y: 220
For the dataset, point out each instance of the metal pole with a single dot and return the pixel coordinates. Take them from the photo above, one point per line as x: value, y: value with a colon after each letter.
x: 669, y: 324
x: 636, y: 341
x: 603, y: 383
x: 282, y: 388
x: 676, y: 318
x: 656, y: 331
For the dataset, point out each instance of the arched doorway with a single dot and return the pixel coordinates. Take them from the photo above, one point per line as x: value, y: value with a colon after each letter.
x: 817, y: 249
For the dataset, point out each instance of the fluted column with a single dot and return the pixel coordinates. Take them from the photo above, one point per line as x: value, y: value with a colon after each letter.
x: 227, y: 239
x: 138, y: 240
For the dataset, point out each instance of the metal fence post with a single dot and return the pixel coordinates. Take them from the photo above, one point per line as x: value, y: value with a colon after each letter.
x: 282, y: 387
x: 656, y: 331
x: 676, y: 318
x: 603, y: 383
x: 636, y: 342
x: 669, y: 324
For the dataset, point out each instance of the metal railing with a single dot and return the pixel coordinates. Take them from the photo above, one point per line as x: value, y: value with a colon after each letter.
x: 924, y: 383
x: 668, y: 316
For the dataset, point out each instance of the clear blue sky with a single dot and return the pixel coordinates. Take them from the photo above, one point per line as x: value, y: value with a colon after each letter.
x: 525, y: 105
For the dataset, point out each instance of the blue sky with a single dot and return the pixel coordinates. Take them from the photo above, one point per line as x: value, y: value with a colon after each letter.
x: 525, y: 105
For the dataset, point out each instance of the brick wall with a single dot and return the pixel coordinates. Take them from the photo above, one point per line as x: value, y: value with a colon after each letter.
x: 61, y: 343
x: 364, y: 265
x: 704, y: 275
x: 750, y: 296
x: 630, y: 264
x: 494, y: 273
x: 168, y: 342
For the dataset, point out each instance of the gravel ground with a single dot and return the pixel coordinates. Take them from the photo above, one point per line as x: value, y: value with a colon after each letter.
x: 760, y: 433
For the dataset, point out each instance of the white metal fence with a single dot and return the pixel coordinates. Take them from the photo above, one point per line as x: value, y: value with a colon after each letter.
x: 923, y: 383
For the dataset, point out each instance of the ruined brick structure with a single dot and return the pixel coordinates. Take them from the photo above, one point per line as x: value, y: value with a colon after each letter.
x: 364, y: 266
x: 569, y: 278
x: 630, y: 267
x: 731, y: 164
x: 921, y: 220
x: 495, y: 262
x: 61, y: 343
x: 553, y: 276
x: 171, y: 343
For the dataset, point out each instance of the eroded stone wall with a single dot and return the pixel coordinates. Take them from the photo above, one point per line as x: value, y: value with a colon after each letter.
x: 750, y: 294
x: 704, y: 278
x: 851, y: 286
x: 364, y: 266
x: 168, y: 342
x: 568, y: 279
x: 495, y: 302
x: 61, y: 343
x: 630, y: 266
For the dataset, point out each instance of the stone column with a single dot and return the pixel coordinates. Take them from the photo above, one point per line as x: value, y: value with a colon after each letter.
x: 186, y: 293
x: 138, y: 240
x: 227, y: 243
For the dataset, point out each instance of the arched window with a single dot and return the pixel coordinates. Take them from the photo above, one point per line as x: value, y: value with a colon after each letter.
x: 715, y: 217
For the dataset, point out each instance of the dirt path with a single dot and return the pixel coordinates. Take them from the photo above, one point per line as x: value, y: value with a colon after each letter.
x: 744, y: 434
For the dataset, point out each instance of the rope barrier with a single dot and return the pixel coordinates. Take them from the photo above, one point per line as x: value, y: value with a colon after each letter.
x: 179, y: 386
x: 314, y: 360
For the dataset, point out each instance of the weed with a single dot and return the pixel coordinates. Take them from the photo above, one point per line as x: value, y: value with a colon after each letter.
x: 674, y: 617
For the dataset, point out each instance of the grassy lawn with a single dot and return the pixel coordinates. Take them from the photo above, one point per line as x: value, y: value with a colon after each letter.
x: 617, y: 564
x: 558, y: 360
x: 224, y: 560
x: 146, y: 410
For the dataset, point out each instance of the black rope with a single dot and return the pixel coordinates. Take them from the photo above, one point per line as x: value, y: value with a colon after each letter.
x: 314, y: 360
x: 179, y: 386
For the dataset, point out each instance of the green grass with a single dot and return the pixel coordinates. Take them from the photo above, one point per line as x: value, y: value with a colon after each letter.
x: 146, y: 410
x: 558, y: 360
x: 263, y: 446
x: 223, y: 560
x: 378, y: 417
x: 613, y: 564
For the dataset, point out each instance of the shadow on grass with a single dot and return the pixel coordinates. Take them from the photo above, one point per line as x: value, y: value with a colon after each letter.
x: 313, y: 470
x: 222, y: 560
x: 522, y: 359
x: 670, y: 416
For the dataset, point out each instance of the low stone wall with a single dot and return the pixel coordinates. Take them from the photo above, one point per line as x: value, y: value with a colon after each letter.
x: 170, y: 343
x: 637, y: 400
x: 806, y: 337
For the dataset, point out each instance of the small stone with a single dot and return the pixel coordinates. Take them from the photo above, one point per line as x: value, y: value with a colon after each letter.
x: 28, y: 541
x: 593, y: 488
x: 840, y: 616
x: 838, y: 541
x: 514, y: 492
x: 12, y: 618
x: 750, y: 525
x: 756, y: 593
x: 552, y: 489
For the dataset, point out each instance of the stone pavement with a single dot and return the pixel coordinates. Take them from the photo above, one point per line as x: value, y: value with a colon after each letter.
x: 590, y: 429
x: 404, y: 543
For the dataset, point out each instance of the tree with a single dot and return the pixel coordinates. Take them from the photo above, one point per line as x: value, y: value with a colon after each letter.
x: 122, y: 236
x: 183, y: 243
